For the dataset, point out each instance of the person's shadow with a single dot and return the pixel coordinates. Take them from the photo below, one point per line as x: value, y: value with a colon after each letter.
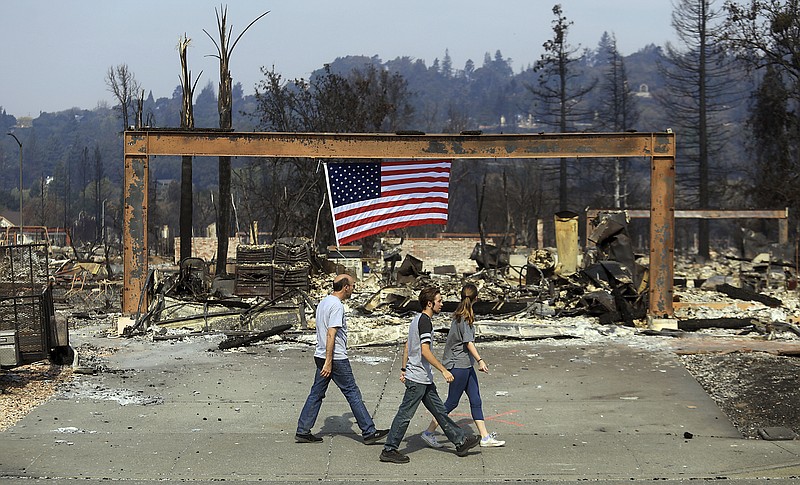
x: 415, y: 443
x: 344, y: 425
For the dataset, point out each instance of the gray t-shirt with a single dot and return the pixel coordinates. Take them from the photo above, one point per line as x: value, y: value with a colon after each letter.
x: 419, y: 332
x: 330, y: 313
x: 456, y: 355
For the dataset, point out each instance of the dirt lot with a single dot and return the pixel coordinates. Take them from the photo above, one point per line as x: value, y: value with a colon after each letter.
x: 754, y: 389
x: 25, y: 387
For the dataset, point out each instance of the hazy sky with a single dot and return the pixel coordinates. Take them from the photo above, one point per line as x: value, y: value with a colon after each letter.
x: 56, y: 53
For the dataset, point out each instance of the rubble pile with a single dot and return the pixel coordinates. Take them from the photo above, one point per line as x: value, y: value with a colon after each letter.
x: 272, y: 299
x: 277, y: 286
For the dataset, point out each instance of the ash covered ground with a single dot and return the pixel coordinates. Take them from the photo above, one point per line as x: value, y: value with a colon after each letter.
x: 755, y: 388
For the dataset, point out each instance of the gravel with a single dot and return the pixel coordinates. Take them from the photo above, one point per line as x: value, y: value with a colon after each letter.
x: 25, y: 387
x: 754, y: 389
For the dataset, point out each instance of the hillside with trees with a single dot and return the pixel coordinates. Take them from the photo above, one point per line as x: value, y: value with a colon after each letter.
x: 735, y: 133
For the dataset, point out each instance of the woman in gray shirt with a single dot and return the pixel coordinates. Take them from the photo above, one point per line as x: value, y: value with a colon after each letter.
x: 460, y: 354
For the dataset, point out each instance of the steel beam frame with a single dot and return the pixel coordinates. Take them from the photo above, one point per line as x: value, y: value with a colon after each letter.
x: 139, y: 145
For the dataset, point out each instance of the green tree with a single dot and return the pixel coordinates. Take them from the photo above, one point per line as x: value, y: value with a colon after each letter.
x: 447, y: 64
x: 777, y: 168
x: 765, y: 34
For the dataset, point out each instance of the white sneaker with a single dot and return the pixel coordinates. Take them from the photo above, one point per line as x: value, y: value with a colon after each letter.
x: 491, y: 441
x: 430, y: 439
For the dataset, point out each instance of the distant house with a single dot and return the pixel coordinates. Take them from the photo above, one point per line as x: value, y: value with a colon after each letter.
x: 24, y: 122
x: 7, y: 236
x: 5, y: 222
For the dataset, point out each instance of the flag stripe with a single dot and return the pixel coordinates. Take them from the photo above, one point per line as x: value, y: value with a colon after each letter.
x: 421, y: 181
x: 406, y: 197
x: 388, y: 206
x: 390, y: 211
x: 365, y: 231
x: 428, y: 190
x: 391, y: 174
x: 369, y: 198
x: 393, y: 215
x: 393, y: 164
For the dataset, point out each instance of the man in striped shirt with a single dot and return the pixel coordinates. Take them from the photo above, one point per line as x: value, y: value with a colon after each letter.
x: 417, y: 376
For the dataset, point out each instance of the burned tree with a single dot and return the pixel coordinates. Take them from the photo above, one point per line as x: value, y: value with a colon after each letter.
x: 558, y: 98
x: 291, y: 192
x: 765, y: 34
x: 698, y: 77
x: 187, y: 122
x: 225, y: 106
x: 123, y: 85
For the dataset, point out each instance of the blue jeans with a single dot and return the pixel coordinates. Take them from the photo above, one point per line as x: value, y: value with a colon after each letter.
x: 427, y: 395
x: 342, y: 376
x: 465, y: 380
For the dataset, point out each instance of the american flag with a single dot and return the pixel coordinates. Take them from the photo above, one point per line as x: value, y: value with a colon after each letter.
x: 373, y: 197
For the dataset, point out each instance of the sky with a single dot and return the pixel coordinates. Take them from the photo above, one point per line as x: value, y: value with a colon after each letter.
x: 56, y: 53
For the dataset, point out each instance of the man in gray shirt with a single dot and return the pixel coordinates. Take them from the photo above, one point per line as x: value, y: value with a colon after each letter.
x: 330, y: 356
x: 417, y: 376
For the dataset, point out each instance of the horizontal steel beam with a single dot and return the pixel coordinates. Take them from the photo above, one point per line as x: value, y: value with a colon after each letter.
x: 781, y: 214
x: 392, y: 146
x: 701, y: 214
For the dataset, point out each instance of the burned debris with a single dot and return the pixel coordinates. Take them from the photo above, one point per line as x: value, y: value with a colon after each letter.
x: 271, y: 295
x: 29, y: 329
x: 274, y: 288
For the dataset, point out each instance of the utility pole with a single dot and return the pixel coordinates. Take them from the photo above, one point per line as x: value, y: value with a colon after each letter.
x: 21, y: 225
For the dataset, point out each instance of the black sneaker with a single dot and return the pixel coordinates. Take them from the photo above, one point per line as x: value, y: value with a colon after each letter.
x: 394, y: 456
x: 468, y: 444
x: 373, y: 438
x: 306, y: 438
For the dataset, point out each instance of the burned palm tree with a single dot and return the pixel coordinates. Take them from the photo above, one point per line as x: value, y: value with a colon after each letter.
x: 187, y: 122
x: 225, y: 108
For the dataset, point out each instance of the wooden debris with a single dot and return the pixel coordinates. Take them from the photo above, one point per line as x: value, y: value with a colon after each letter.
x: 744, y: 294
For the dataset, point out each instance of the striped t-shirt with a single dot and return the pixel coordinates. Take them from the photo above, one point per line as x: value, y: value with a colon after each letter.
x: 419, y: 332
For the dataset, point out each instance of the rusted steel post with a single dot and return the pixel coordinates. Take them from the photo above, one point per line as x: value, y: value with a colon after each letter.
x: 783, y: 228
x: 662, y: 232
x: 134, y: 237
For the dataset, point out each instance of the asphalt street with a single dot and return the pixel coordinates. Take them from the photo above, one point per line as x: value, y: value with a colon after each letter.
x: 569, y: 410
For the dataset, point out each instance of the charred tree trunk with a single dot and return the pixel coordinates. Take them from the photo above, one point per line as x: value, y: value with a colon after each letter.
x: 187, y: 121
x: 225, y: 108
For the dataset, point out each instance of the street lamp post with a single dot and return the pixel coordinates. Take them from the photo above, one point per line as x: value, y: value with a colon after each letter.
x: 21, y: 225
